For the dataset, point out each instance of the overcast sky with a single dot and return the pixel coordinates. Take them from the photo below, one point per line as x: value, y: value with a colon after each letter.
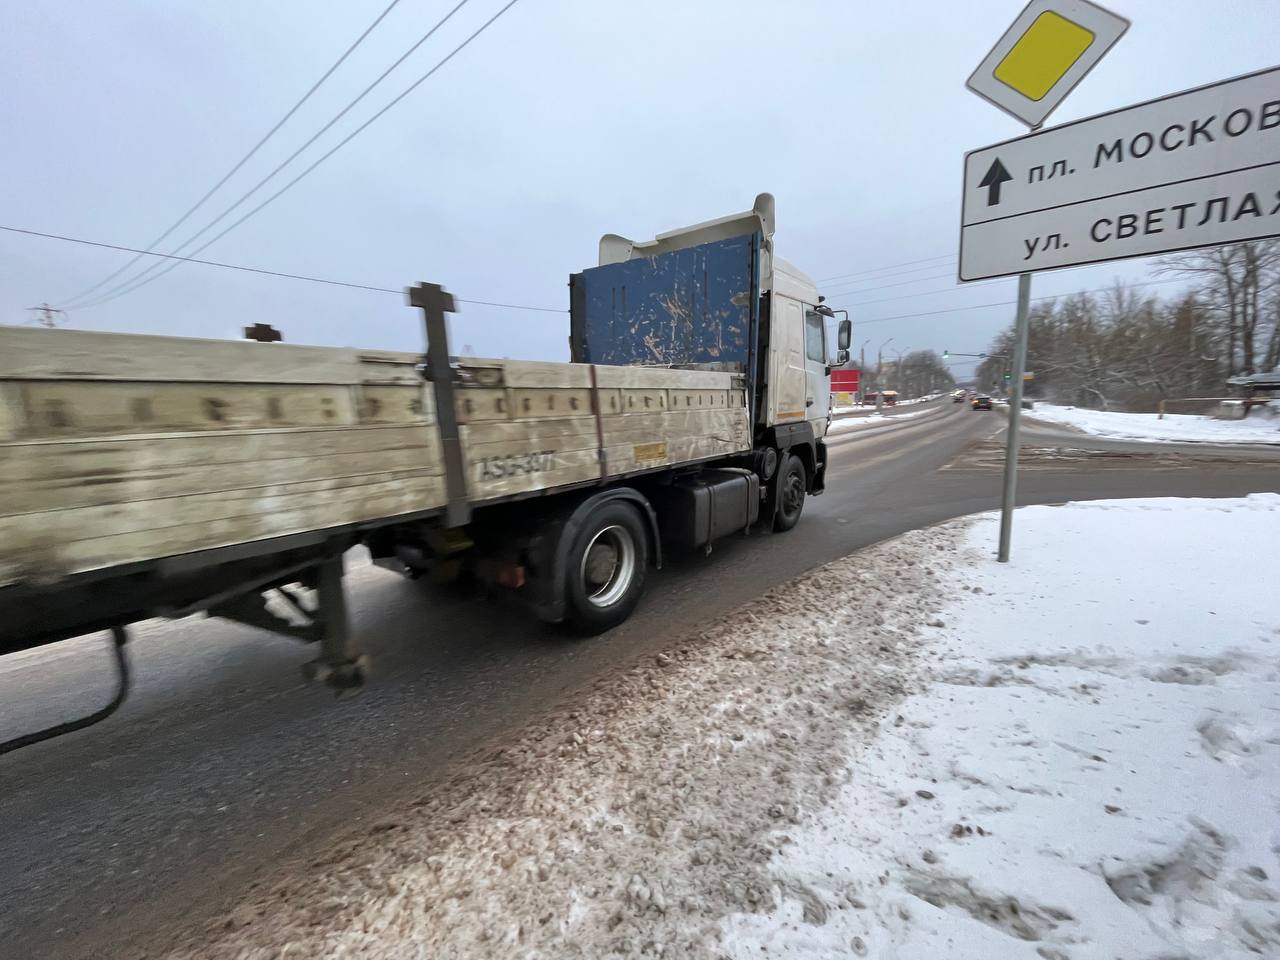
x: 565, y: 120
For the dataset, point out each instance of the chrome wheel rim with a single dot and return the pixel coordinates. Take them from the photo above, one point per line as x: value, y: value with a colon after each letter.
x: 608, y: 566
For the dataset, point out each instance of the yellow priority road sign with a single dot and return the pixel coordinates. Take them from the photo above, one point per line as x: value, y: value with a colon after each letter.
x: 1048, y: 50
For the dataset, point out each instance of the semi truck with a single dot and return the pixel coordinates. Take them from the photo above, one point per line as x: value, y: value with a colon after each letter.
x: 152, y: 476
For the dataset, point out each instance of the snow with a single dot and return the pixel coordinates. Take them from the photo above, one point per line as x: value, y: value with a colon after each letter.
x: 925, y: 399
x: 634, y: 818
x: 1094, y: 770
x: 901, y: 403
x: 911, y: 753
x: 874, y: 419
x: 1256, y: 428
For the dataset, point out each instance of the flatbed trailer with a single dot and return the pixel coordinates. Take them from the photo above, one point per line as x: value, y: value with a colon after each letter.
x: 146, y: 476
x: 122, y: 451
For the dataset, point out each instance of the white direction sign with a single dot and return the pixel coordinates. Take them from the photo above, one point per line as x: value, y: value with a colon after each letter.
x: 1193, y: 169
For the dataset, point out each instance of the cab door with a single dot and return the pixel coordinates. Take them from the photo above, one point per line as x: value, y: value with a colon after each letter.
x: 788, y: 374
x: 817, y: 381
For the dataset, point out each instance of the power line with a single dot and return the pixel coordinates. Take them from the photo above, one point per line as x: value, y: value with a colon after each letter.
x: 886, y: 286
x: 259, y: 270
x: 510, y: 306
x: 890, y: 276
x: 856, y: 290
x: 928, y: 293
x: 1005, y: 303
x: 891, y: 266
x: 951, y: 270
x: 518, y: 306
x: 956, y: 286
x: 241, y: 162
x: 157, y: 271
x: 351, y: 136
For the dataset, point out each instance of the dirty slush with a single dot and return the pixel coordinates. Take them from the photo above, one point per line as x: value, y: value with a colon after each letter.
x: 632, y: 821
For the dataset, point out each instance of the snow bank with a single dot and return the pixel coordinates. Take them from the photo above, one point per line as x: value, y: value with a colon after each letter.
x: 901, y: 403
x: 853, y: 423
x: 1174, y: 427
x: 1094, y: 772
x: 925, y: 399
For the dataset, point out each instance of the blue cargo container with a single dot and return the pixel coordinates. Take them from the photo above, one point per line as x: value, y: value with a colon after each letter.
x: 697, y: 306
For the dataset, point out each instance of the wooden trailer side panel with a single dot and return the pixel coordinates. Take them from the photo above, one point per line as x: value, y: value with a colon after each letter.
x: 118, y: 449
x: 522, y: 433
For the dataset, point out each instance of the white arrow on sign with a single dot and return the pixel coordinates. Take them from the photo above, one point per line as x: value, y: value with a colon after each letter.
x: 1192, y: 169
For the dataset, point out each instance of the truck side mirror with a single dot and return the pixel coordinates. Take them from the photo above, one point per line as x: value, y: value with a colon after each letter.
x: 842, y: 357
x: 844, y: 336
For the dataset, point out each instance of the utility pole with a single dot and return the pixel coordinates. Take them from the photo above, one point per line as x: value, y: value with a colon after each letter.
x: 880, y: 375
x: 46, y: 315
x: 862, y: 370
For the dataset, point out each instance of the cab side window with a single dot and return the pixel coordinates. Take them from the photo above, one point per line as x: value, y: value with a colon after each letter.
x: 814, y: 345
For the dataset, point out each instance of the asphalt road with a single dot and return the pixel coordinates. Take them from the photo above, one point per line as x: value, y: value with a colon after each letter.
x: 224, y: 764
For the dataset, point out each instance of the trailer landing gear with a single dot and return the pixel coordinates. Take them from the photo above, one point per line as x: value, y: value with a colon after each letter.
x: 322, y: 619
x: 341, y: 664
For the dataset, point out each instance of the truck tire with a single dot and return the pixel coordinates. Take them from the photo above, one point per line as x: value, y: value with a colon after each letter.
x: 792, y: 481
x: 606, y: 568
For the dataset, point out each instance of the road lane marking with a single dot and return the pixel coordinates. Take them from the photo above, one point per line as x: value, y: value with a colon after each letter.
x: 893, y: 453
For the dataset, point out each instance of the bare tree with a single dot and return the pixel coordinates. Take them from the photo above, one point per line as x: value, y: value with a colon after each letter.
x: 1239, y: 284
x: 917, y: 374
x: 1126, y: 350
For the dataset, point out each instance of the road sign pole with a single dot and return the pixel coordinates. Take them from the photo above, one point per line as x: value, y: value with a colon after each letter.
x: 1047, y: 50
x: 1010, y: 490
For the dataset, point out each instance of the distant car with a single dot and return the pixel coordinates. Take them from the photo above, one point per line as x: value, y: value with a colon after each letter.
x: 981, y: 403
x: 958, y: 397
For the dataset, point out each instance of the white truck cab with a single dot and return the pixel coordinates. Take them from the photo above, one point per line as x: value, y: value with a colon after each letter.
x: 799, y: 376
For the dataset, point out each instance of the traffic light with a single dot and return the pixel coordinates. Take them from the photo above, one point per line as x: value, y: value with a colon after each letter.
x: 1008, y: 377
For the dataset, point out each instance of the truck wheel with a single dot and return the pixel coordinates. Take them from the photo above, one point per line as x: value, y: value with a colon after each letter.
x: 791, y: 486
x: 606, y: 568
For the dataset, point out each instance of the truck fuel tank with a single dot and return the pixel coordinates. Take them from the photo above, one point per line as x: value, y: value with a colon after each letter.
x: 695, y: 510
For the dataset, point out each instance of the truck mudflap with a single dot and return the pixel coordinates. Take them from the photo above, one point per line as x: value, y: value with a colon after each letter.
x: 820, y: 471
x: 786, y: 437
